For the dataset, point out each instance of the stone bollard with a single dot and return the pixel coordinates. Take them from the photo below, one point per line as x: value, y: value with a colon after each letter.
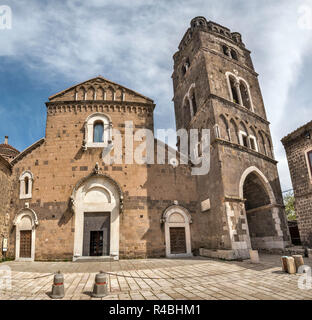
x: 291, y: 267
x: 254, y: 256
x: 58, y: 286
x: 284, y: 263
x: 100, y: 285
x: 298, y: 261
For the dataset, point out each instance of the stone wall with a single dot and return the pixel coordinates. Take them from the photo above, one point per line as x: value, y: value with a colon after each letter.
x: 297, y: 146
x: 5, y: 201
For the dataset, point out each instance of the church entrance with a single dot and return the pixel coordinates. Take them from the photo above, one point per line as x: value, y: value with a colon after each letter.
x: 177, y: 240
x: 25, y: 244
x: 96, y: 234
x: 97, y: 203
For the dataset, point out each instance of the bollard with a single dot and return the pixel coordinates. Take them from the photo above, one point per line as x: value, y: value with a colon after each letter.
x: 254, y: 256
x: 58, y: 286
x: 291, y: 267
x: 298, y: 261
x: 100, y: 285
x: 284, y: 263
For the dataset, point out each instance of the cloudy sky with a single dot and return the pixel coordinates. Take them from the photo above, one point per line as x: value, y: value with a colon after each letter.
x: 55, y: 44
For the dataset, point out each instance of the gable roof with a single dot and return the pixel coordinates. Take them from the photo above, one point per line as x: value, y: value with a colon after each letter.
x: 298, y: 132
x: 102, y: 79
x: 27, y: 151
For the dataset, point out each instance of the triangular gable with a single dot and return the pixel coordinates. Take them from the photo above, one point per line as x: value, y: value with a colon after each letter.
x: 98, y: 89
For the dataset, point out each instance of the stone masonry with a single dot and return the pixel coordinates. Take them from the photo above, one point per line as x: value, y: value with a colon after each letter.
x: 155, y: 210
x: 297, y: 145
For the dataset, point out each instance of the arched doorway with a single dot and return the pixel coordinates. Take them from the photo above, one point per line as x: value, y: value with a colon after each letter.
x: 25, y: 223
x: 97, y: 201
x: 177, y: 231
x: 261, y: 210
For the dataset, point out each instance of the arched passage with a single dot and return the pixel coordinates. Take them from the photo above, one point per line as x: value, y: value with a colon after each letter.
x: 260, y: 206
x: 177, y: 231
x: 97, y: 202
x: 25, y: 223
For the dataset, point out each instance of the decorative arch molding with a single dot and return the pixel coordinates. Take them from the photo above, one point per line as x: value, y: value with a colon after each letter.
x: 26, y: 182
x: 25, y: 220
x: 238, y: 79
x: 26, y: 212
x: 89, y: 130
x: 177, y: 217
x: 103, y: 175
x: 189, y: 98
x: 263, y: 179
x: 96, y: 194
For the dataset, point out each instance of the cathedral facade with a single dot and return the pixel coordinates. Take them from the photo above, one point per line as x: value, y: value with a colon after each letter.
x: 65, y: 202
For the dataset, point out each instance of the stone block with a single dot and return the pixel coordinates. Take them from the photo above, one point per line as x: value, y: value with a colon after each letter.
x: 298, y: 261
x: 254, y: 256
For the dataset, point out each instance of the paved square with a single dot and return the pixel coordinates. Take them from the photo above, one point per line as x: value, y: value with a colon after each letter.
x: 160, y: 279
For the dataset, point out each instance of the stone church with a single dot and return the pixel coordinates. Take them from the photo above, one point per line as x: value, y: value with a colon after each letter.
x: 59, y: 200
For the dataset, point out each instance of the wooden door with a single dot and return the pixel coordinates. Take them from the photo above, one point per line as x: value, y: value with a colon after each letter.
x: 25, y: 244
x: 177, y: 240
x: 96, y: 243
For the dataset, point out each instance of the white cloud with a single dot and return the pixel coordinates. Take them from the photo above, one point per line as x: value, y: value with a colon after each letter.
x: 132, y: 42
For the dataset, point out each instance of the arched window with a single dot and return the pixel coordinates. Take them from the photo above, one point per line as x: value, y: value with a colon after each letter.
x: 98, y: 129
x: 194, y: 105
x: 245, y: 95
x: 98, y: 132
x: 234, y: 54
x: 243, y: 135
x: 26, y: 185
x: 234, y: 90
x: 253, y: 140
x: 187, y: 111
x: 233, y: 131
x: 262, y: 144
x: 225, y: 50
x: 26, y: 181
x: 224, y: 128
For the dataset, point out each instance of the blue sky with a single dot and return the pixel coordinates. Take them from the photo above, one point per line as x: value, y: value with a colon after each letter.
x: 55, y: 44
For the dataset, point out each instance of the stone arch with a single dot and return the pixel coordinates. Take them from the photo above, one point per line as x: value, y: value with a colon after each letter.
x: 234, y: 131
x: 187, y: 116
x: 97, y: 202
x: 245, y: 94
x: 26, y: 184
x: 262, y: 143
x: 192, y: 100
x: 25, y: 223
x: 90, y: 94
x: 110, y: 93
x: 177, y: 221
x: 92, y: 119
x: 239, y: 90
x: 223, y: 127
x: 234, y: 54
x: 81, y: 93
x: 262, y: 177
x: 269, y: 149
x: 261, y: 210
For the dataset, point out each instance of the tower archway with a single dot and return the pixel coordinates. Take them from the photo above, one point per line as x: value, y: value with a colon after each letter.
x: 261, y: 210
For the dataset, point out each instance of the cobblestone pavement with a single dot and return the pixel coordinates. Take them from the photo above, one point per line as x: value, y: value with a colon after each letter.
x: 159, y: 279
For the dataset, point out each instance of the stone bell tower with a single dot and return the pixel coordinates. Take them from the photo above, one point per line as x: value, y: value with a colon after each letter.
x: 217, y: 88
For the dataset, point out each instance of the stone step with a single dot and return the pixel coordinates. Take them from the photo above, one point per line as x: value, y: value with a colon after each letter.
x: 95, y: 259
